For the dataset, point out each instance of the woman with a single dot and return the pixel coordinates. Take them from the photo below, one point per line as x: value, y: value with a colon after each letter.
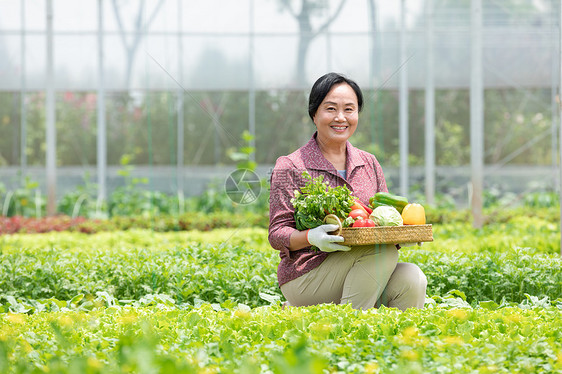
x: 365, y: 276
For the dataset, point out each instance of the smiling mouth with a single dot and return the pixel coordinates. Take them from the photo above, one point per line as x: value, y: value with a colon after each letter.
x: 339, y: 127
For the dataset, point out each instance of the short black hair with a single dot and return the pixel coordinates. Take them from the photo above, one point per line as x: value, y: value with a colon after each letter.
x: 323, y: 85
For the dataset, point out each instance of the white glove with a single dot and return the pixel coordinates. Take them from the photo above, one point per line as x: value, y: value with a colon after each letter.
x: 320, y: 238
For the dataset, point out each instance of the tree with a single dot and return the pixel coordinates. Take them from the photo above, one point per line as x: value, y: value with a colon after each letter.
x: 140, y: 26
x: 308, y: 10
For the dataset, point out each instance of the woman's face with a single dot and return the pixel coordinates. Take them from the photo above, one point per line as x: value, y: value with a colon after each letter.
x: 337, y: 116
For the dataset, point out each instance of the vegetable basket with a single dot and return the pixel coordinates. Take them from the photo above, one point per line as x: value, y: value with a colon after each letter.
x: 386, y: 234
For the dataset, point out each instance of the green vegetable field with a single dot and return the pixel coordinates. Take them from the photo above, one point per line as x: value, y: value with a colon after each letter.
x: 141, y: 301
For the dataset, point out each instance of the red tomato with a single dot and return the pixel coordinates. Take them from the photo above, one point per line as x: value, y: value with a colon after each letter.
x: 359, y: 223
x: 364, y: 223
x: 370, y: 223
x: 358, y: 213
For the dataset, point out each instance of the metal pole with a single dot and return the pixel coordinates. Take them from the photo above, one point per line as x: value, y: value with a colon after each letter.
x: 554, y: 107
x: 51, y: 135
x: 429, y: 107
x: 180, y: 119
x: 372, y: 73
x: 23, y: 92
x: 476, y: 113
x: 102, y: 130
x: 560, y: 110
x: 252, y: 96
x: 403, y: 105
x: 328, y: 40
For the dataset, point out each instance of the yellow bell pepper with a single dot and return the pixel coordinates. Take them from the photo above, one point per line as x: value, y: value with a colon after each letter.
x: 413, y: 214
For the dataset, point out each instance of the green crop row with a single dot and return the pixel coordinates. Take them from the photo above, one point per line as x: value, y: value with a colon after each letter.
x: 319, y: 339
x: 129, y: 265
x: 238, y: 264
x: 237, y: 217
x: 537, y: 233
x: 143, y: 301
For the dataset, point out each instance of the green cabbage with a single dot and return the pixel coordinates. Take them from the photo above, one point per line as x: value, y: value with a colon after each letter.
x: 386, y: 216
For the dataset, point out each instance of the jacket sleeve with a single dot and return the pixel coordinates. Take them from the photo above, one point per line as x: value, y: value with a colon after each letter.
x: 281, y: 212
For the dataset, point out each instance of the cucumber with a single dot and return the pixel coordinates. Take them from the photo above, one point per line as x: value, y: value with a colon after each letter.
x: 386, y: 198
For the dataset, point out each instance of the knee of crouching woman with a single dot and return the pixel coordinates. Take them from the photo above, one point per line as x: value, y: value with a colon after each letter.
x: 417, y: 279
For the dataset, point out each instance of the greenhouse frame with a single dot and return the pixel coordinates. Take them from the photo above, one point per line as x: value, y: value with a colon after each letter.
x: 462, y: 97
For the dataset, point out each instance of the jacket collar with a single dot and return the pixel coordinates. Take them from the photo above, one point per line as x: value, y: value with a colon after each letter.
x: 317, y: 161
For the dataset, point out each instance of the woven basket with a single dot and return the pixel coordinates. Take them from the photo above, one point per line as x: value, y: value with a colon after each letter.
x: 386, y: 234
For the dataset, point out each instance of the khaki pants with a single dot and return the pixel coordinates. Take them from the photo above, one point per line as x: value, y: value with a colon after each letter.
x: 366, y: 277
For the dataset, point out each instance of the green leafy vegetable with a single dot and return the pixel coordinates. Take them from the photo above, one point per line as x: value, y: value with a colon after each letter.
x: 446, y: 337
x: 193, y: 301
x: 317, y: 199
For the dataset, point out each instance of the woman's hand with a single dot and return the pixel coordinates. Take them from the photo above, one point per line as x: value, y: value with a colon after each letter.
x: 320, y: 238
